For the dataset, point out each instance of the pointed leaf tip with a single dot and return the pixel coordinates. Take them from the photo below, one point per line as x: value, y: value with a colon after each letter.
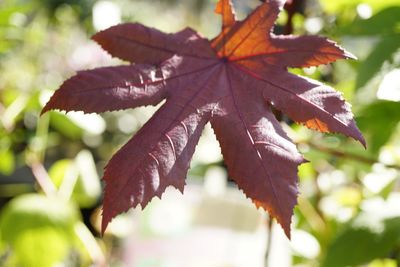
x: 44, y: 110
x: 349, y: 55
x: 284, y: 224
x: 363, y: 142
x: 103, y: 228
x: 104, y: 223
x: 226, y: 10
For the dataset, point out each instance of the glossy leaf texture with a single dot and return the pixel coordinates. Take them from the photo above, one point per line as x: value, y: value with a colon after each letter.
x: 231, y: 81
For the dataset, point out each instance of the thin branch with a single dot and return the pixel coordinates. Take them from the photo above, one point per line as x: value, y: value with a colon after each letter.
x: 89, y: 242
x: 43, y: 179
x: 350, y: 156
x: 68, y: 183
x: 269, y: 241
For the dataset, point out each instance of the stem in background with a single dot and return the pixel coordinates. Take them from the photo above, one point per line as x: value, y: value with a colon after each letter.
x: 43, y: 179
x: 36, y: 158
x: 46, y: 184
x: 85, y: 236
x: 10, y: 113
x: 313, y: 218
x: 42, y: 131
x: 269, y: 241
x: 91, y: 245
x: 68, y: 182
x: 349, y: 156
x: 292, y: 7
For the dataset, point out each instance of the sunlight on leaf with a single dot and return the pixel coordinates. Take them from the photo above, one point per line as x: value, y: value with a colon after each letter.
x: 208, y: 81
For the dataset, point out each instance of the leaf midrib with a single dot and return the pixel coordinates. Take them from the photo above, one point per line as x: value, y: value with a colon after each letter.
x: 228, y: 76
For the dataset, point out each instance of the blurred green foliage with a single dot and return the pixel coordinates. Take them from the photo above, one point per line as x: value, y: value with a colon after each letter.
x: 50, y: 165
x: 30, y: 223
x: 377, y: 236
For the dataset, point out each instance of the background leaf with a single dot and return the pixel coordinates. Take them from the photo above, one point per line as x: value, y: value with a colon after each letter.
x: 378, y: 121
x: 382, y: 52
x: 385, y: 22
x: 34, y: 219
x: 378, y: 236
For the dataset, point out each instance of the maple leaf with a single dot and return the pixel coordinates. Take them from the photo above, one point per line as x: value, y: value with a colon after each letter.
x: 230, y: 81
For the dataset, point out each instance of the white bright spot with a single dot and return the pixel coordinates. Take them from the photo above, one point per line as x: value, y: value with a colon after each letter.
x: 280, y: 254
x: 91, y: 123
x: 364, y: 11
x: 304, y: 244
x: 389, y: 89
x: 215, y: 181
x: 329, y: 206
x: 309, y: 70
x: 120, y: 226
x: 389, y: 155
x: 383, y: 208
x: 329, y: 180
x: 170, y: 216
x: 18, y: 19
x: 344, y: 214
x: 82, y: 56
x: 313, y: 25
x: 45, y: 96
x: 208, y: 151
x: 92, y: 140
x: 105, y: 15
x: 377, y: 180
x: 127, y: 123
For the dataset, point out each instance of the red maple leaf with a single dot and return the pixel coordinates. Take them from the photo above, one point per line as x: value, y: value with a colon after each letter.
x: 230, y: 81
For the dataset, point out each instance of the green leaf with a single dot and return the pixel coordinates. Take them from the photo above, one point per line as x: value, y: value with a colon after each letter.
x: 7, y: 162
x: 41, y: 247
x: 383, y: 263
x: 368, y: 237
x: 381, y: 53
x: 65, y: 126
x: 77, y: 179
x: 38, y: 230
x: 88, y: 188
x: 58, y: 170
x: 378, y: 121
x: 7, y: 12
x: 339, y: 5
x: 384, y: 22
x: 306, y: 172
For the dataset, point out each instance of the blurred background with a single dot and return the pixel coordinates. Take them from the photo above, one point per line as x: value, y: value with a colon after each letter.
x: 51, y: 165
